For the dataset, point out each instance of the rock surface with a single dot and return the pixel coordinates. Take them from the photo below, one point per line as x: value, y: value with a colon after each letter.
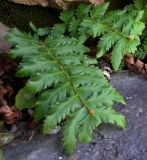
x: 109, y: 142
x: 58, y: 4
x: 65, y: 4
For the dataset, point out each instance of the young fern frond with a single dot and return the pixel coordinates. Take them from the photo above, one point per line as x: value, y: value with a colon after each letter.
x: 63, y: 84
x: 119, y: 31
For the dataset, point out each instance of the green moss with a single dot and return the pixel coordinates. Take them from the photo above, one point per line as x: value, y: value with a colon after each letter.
x: 15, y: 15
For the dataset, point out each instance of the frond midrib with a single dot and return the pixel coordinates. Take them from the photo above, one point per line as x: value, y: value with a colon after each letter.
x: 61, y: 67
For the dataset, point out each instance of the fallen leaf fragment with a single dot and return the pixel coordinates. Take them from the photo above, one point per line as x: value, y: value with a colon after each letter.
x: 10, y: 116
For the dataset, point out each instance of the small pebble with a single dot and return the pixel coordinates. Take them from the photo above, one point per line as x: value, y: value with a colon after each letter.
x: 78, y: 151
x: 129, y: 97
x: 60, y: 157
x: 140, y: 110
x: 86, y: 153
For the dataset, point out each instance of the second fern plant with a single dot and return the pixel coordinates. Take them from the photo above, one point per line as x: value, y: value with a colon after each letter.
x: 118, y: 31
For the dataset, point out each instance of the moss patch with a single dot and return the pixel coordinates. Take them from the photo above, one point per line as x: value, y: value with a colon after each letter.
x: 15, y: 15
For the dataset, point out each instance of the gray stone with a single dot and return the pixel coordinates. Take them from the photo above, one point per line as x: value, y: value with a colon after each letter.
x: 109, y: 142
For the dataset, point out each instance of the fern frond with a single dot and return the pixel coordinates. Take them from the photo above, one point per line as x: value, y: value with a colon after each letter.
x: 139, y: 5
x: 40, y: 31
x: 57, y: 30
x: 99, y: 11
x: 116, y: 29
x: 25, y: 100
x: 66, y: 15
x: 141, y: 53
x: 63, y: 84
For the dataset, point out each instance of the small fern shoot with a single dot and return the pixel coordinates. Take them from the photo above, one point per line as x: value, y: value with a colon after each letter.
x: 63, y: 84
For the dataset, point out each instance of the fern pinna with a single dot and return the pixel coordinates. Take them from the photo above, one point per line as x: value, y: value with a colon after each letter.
x: 142, y: 49
x: 63, y: 85
x: 118, y: 30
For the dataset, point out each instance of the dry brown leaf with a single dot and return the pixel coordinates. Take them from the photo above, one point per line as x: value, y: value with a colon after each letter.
x: 10, y: 116
x: 128, y: 59
x: 135, y: 65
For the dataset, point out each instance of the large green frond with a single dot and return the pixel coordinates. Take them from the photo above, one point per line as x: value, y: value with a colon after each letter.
x: 63, y: 82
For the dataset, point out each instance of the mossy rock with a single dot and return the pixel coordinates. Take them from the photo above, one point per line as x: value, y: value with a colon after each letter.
x: 16, y: 15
